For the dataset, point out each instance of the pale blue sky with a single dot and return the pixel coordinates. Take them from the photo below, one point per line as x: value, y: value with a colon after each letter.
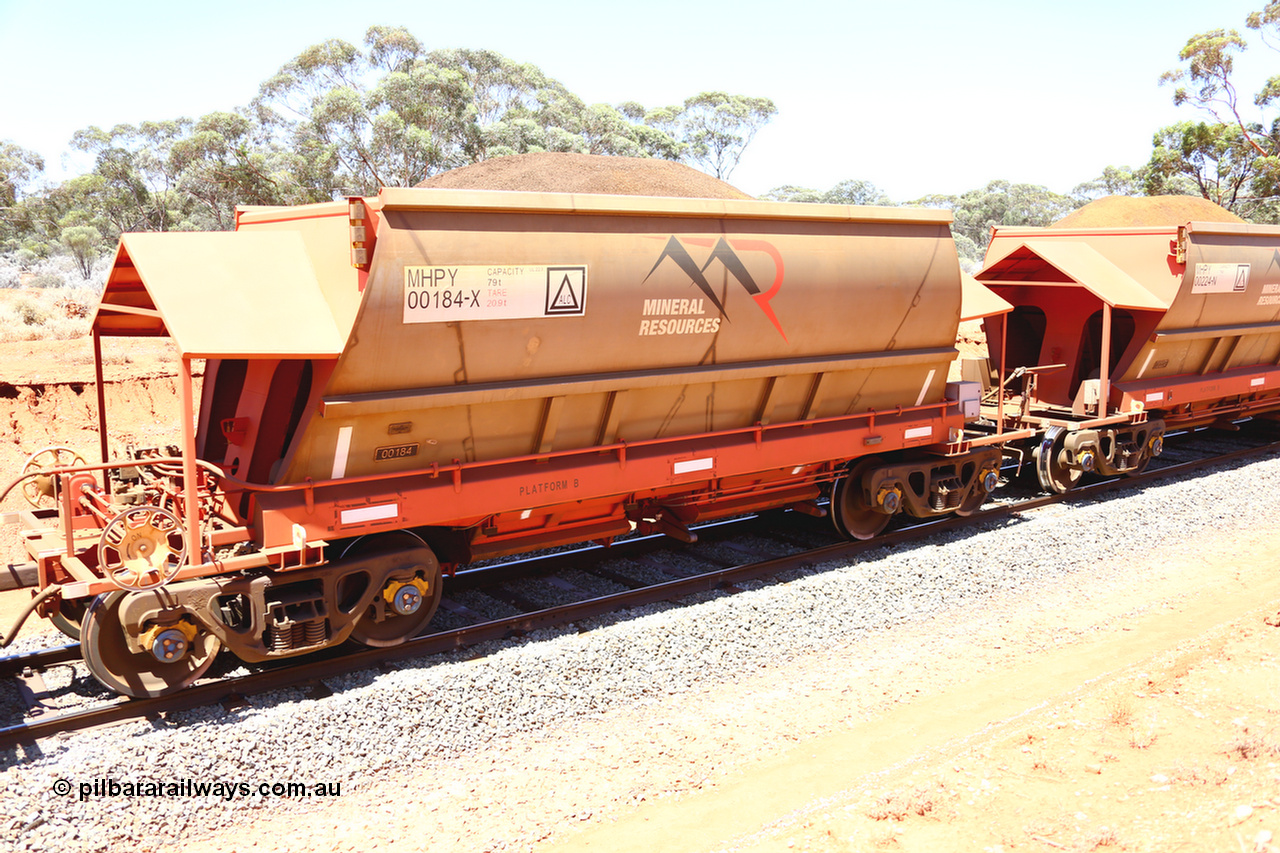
x: 917, y: 97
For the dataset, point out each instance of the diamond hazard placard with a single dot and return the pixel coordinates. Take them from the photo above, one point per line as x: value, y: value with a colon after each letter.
x: 566, y: 290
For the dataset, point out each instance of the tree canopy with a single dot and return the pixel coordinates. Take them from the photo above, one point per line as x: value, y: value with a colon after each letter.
x: 975, y: 211
x: 343, y: 119
x: 1232, y: 159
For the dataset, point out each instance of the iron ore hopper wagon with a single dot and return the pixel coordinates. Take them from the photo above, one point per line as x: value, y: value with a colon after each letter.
x: 1119, y: 334
x: 398, y: 385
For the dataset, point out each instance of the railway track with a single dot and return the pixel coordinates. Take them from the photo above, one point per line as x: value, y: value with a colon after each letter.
x: 524, y: 587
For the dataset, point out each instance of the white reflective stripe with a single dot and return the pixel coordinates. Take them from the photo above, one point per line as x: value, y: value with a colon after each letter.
x: 370, y: 513
x: 1156, y: 397
x: 694, y: 465
x: 918, y: 432
x: 526, y: 514
x: 1261, y: 380
x: 340, y: 453
x: 924, y: 389
x: 1145, y: 363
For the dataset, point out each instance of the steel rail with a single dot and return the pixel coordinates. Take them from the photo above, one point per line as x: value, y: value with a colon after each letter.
x: 294, y: 673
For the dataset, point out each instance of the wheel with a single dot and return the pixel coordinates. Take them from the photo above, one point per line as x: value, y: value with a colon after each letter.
x: 69, y: 617
x: 142, y: 548
x: 38, y: 491
x: 138, y: 674
x: 1053, y: 474
x: 406, y: 603
x: 852, y: 516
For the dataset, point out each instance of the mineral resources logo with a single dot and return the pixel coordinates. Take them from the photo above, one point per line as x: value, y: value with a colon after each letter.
x: 675, y: 313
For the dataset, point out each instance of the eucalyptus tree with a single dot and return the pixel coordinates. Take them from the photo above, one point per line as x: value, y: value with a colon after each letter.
x: 343, y: 119
x: 717, y: 127
x: 19, y: 168
x: 365, y: 119
x: 1000, y: 202
x: 520, y: 109
x: 392, y: 113
x: 1233, y: 160
x: 1215, y: 161
x: 136, y: 186
x: 1114, y: 180
x: 226, y: 161
x: 85, y: 243
x: 852, y: 191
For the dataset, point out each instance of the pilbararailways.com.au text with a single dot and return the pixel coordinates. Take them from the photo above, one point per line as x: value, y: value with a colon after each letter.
x: 102, y: 788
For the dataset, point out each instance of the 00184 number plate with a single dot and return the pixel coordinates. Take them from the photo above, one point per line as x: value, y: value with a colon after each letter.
x: 399, y: 451
x: 447, y: 294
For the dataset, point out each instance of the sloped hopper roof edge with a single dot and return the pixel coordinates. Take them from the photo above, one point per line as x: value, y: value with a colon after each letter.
x: 977, y: 300
x: 219, y: 295
x: 1085, y: 266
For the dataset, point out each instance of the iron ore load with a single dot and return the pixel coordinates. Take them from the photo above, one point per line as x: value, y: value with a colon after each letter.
x: 397, y: 386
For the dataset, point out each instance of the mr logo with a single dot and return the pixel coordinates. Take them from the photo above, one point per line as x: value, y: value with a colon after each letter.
x: 725, y: 251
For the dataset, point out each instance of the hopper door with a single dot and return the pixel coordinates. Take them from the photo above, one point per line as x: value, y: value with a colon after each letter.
x: 1089, y: 359
x: 251, y: 412
x: 1077, y: 323
x: 1066, y: 335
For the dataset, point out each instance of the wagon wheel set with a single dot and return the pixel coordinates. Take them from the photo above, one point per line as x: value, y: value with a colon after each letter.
x: 1059, y: 469
x: 1051, y: 469
x: 143, y: 548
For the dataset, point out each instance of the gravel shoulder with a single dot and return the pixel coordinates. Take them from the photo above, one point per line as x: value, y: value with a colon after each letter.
x: 1143, y: 728
x: 1117, y: 714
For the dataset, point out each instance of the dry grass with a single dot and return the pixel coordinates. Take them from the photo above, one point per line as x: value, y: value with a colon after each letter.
x: 897, y: 805
x: 1142, y: 740
x: 46, y: 299
x: 1199, y: 774
x: 57, y: 314
x: 1104, y: 837
x: 887, y: 840
x: 1249, y: 746
x: 1119, y: 711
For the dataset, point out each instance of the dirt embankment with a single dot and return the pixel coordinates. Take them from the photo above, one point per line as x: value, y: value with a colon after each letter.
x: 48, y: 398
